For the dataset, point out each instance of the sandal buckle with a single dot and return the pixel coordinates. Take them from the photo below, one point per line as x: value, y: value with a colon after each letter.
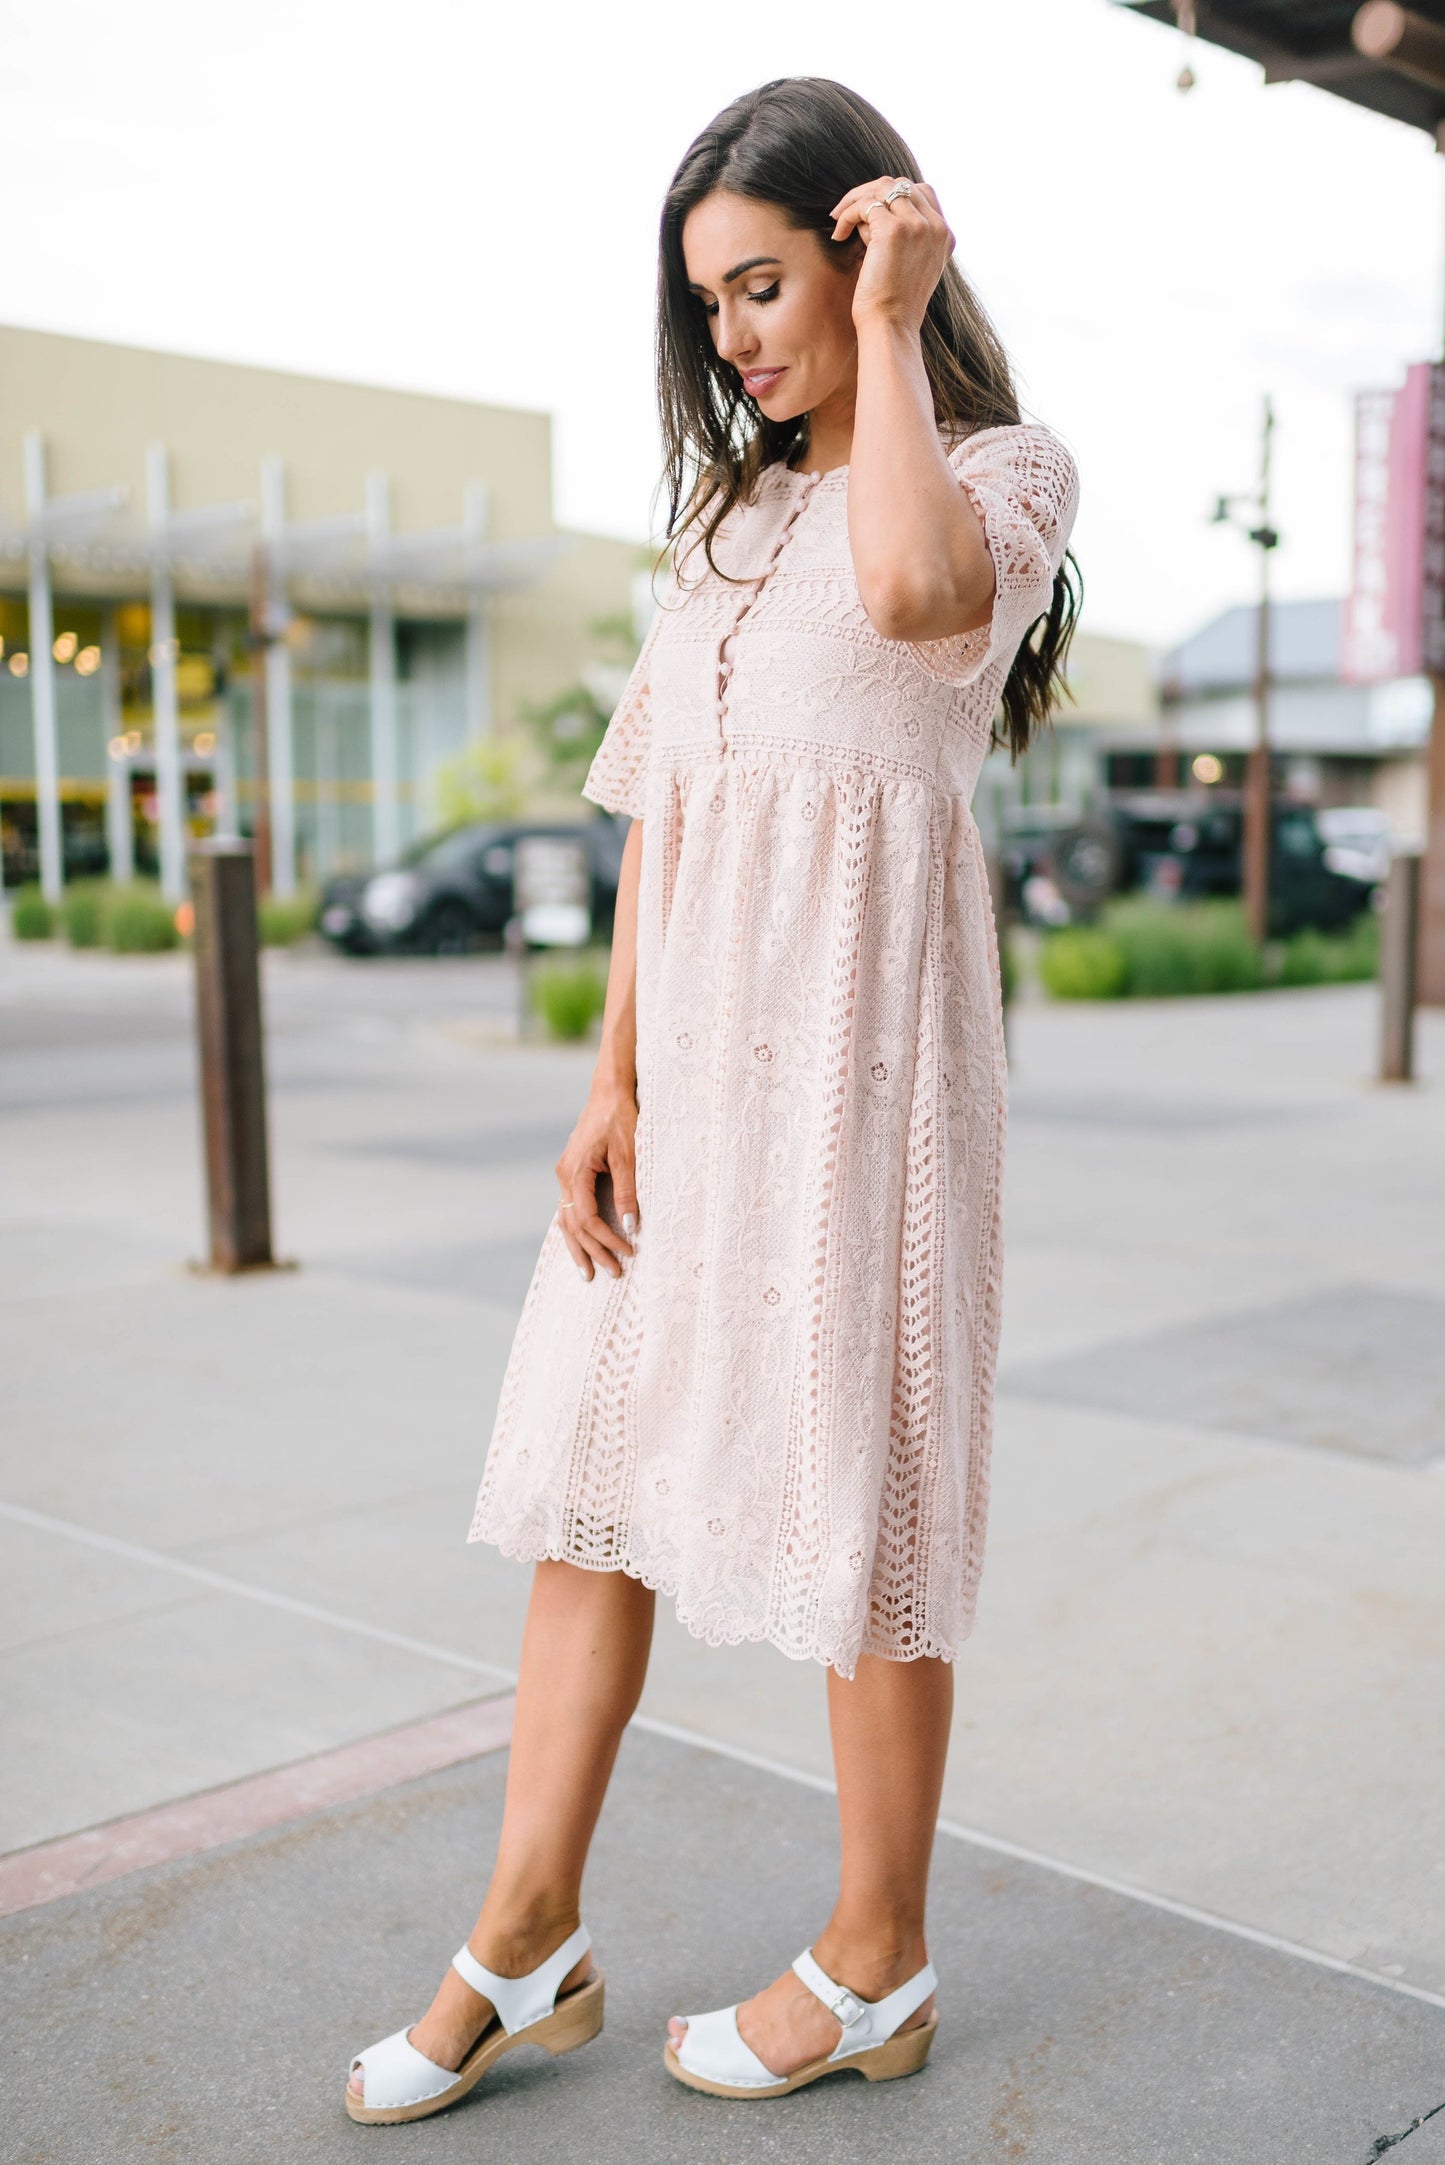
x: 847, y: 2007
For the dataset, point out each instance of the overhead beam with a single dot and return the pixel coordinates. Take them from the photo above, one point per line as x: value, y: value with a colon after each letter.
x: 1402, y: 41
x: 1324, y: 70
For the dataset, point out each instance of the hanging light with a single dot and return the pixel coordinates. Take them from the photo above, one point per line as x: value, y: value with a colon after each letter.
x: 19, y: 664
x: 65, y: 646
x: 87, y: 661
x: 1185, y: 14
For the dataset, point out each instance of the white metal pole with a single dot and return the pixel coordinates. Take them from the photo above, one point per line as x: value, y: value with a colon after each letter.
x: 328, y: 788
x: 385, y: 808
x: 119, y: 820
x: 280, y: 730
x: 164, y: 702
x: 42, y: 679
x: 479, y: 715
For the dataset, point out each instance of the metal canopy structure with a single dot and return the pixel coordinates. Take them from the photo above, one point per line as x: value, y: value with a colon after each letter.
x: 1320, y: 42
x: 238, y: 552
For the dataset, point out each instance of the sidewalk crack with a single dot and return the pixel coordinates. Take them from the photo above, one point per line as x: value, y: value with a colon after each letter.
x: 1383, y: 2143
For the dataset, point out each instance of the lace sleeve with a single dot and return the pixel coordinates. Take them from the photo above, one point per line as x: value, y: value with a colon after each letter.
x: 1024, y: 485
x: 617, y: 777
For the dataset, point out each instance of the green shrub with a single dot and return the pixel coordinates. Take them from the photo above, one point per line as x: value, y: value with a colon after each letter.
x: 1309, y: 957
x: 1230, y: 959
x: 1082, y: 963
x: 82, y: 911
x: 1171, y: 949
x: 567, y: 995
x: 1143, y: 949
x: 1159, y: 956
x: 1183, y: 947
x: 139, y: 921
x: 31, y: 917
x: 1355, y: 955
x: 1306, y: 958
x: 1008, y: 963
x: 282, y: 920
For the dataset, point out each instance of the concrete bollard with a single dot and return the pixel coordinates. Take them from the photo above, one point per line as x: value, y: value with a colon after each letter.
x: 233, y: 1083
x: 1399, y: 955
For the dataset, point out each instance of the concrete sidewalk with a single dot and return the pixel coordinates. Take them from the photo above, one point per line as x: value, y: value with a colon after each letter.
x: 219, y: 2002
x: 1208, y: 1657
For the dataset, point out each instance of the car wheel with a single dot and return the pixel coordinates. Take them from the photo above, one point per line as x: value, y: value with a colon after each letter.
x: 1088, y: 864
x: 450, y: 930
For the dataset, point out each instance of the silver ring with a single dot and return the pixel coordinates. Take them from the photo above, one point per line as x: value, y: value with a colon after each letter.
x: 566, y: 1206
x: 877, y: 204
x: 903, y: 187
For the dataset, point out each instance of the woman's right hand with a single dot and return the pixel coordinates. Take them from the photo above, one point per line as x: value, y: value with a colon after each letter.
x: 602, y: 1141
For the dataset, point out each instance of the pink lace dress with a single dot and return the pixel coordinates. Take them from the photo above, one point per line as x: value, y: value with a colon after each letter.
x: 779, y: 1415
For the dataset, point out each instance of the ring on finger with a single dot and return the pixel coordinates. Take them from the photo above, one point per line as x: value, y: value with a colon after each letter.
x: 901, y: 187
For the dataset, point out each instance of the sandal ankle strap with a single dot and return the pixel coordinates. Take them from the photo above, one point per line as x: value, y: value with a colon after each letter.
x: 865, y: 2022
x: 523, y: 2000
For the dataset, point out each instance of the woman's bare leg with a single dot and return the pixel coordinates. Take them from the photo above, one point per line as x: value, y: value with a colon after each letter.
x: 890, y: 1727
x: 584, y: 1660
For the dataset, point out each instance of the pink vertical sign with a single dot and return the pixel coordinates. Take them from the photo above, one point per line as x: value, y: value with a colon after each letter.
x: 1383, y: 615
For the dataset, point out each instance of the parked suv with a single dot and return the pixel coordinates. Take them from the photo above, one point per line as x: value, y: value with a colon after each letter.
x: 453, y: 891
x: 1183, y: 844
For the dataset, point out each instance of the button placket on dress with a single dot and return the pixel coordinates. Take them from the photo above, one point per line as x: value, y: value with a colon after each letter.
x: 729, y: 637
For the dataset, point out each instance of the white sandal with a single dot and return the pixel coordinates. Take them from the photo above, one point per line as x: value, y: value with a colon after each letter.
x: 715, y: 2057
x: 400, y: 2083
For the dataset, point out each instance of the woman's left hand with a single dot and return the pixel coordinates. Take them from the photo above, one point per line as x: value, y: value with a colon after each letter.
x: 908, y: 246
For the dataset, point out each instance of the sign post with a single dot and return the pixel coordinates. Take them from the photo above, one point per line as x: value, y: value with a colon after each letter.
x: 1395, y: 617
x: 551, y: 902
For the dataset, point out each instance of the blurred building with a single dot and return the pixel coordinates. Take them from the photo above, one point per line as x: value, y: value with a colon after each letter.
x: 1391, y: 60
x: 165, y: 520
x: 1112, y: 714
x: 1334, y: 742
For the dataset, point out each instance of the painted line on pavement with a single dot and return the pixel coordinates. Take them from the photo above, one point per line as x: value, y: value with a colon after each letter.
x: 189, y: 1826
x: 219, y: 1583
x: 975, y: 1835
x: 1211, y: 1920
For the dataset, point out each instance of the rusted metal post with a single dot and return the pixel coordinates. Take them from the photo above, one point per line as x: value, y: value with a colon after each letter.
x: 233, y: 1083
x: 1399, y: 950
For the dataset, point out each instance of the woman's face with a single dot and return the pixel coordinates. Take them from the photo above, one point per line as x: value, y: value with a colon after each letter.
x: 779, y: 311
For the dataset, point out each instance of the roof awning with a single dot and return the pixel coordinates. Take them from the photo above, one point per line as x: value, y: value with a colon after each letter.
x: 1390, y: 59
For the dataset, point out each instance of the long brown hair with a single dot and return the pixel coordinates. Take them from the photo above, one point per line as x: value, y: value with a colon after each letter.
x: 801, y: 143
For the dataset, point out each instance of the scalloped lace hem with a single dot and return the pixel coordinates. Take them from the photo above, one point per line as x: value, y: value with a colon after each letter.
x: 738, y: 1632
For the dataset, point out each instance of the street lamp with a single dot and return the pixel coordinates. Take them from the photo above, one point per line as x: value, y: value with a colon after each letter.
x: 1257, y: 528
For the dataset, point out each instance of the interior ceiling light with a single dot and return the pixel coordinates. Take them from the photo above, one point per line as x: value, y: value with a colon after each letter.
x: 1186, y: 15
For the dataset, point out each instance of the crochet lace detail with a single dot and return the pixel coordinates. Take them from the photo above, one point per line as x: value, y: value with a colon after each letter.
x: 780, y: 1415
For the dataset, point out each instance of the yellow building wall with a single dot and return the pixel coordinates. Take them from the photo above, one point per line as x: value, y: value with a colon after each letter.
x: 99, y: 405
x: 1112, y: 681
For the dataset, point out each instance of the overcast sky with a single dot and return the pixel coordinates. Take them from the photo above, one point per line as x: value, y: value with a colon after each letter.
x: 462, y: 197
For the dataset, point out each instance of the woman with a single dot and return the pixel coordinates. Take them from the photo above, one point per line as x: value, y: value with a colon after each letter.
x: 754, y: 1367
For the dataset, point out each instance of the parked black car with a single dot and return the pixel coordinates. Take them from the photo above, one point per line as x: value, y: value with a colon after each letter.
x: 1188, y: 844
x: 453, y: 891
